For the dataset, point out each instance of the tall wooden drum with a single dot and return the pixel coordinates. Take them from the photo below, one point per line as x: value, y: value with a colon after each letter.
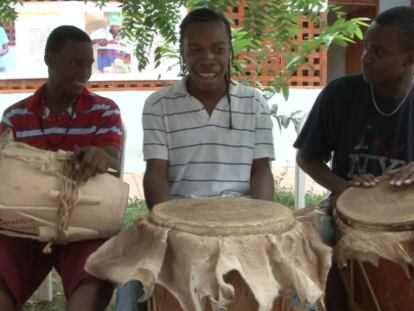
x: 218, y: 254
x: 375, y: 241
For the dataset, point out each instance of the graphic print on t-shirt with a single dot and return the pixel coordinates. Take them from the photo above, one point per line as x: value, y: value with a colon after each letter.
x: 378, y: 150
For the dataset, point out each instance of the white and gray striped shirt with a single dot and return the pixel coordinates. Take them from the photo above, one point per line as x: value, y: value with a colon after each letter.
x: 205, y: 157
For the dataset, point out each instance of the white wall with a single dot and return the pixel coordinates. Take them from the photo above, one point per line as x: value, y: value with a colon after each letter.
x: 131, y: 104
x: 387, y: 4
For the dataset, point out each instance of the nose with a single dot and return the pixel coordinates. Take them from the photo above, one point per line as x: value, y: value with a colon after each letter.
x: 84, y: 70
x: 208, y: 56
x: 366, y: 56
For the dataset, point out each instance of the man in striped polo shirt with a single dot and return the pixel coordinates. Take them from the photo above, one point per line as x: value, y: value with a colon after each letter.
x: 62, y: 114
x: 206, y: 135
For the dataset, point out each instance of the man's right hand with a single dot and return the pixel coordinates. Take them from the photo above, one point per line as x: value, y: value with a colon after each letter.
x: 366, y: 180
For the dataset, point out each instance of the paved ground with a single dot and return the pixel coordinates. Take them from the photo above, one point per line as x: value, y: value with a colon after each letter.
x: 284, y: 177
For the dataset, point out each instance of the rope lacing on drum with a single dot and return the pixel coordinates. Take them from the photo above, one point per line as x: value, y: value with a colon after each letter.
x: 69, y: 192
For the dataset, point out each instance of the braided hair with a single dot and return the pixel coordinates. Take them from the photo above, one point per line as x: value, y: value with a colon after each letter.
x: 208, y: 15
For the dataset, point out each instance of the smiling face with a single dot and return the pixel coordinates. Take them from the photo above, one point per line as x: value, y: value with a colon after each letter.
x: 206, y: 53
x: 385, y: 59
x: 71, y: 67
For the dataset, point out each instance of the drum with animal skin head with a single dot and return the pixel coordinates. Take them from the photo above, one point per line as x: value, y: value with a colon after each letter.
x: 218, y: 254
x: 375, y: 243
x: 31, y: 195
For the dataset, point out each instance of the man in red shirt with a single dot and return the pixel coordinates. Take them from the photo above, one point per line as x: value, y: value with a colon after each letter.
x: 62, y: 114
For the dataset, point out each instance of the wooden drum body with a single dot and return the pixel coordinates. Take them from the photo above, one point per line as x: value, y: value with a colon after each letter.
x: 30, y: 192
x: 376, y: 242
x: 217, y: 254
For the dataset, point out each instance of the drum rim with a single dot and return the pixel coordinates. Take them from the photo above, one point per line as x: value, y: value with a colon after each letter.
x: 271, y: 226
x: 355, y: 223
x: 360, y: 220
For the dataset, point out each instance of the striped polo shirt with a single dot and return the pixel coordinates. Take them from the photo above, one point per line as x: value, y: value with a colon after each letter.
x: 92, y: 120
x: 205, y: 157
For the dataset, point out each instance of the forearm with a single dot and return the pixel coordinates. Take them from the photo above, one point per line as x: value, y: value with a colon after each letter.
x: 261, y: 182
x: 322, y: 174
x: 4, y: 50
x: 156, y: 189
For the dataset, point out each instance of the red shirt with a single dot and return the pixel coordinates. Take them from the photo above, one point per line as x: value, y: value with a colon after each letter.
x: 92, y: 120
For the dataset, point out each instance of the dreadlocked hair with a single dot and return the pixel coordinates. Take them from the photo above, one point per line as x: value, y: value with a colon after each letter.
x: 210, y: 16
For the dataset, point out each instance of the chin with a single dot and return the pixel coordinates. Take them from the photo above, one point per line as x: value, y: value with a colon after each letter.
x: 75, y: 90
x: 368, y: 77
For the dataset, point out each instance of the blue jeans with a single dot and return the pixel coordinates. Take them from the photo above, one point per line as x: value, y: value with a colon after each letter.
x: 127, y: 297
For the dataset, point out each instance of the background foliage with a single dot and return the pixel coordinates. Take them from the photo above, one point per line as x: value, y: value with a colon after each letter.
x: 269, y: 26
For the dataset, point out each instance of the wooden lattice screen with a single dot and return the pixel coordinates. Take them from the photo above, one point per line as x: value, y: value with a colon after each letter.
x: 305, y: 77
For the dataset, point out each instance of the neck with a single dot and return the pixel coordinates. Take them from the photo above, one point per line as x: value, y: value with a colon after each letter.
x: 209, y: 99
x: 396, y: 89
x: 57, y: 100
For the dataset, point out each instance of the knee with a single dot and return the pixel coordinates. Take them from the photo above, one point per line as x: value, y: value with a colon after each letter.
x: 92, y: 291
x: 6, y: 298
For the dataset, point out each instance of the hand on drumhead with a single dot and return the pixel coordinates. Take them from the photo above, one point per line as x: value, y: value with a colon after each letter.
x: 403, y: 175
x: 366, y: 180
x: 90, y: 161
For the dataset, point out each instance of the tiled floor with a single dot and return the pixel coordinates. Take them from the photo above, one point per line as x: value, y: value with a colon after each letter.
x: 284, y: 177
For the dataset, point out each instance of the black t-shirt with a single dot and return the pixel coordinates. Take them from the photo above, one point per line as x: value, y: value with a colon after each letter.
x: 345, y: 123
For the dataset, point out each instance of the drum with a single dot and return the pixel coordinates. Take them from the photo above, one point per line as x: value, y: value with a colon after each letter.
x: 218, y: 254
x: 375, y: 242
x: 31, y: 195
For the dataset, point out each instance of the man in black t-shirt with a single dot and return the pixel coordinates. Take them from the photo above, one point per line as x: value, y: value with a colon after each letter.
x: 364, y: 123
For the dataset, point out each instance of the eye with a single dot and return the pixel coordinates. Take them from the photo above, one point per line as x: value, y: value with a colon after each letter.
x: 219, y: 49
x: 378, y: 52
x: 194, y: 49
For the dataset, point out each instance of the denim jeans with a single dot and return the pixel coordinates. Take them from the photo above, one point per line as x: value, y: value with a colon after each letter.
x: 127, y: 297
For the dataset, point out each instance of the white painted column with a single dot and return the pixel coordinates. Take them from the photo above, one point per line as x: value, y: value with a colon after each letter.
x: 387, y: 4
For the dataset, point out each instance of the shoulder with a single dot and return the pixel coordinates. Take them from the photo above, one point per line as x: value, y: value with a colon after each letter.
x: 2, y: 32
x: 242, y: 90
x: 167, y: 94
x: 20, y: 105
x: 17, y: 113
x: 345, y: 83
x: 246, y: 94
x: 93, y: 101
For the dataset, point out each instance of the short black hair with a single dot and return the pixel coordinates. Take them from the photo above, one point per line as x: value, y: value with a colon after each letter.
x: 58, y: 37
x: 199, y: 16
x: 401, y: 17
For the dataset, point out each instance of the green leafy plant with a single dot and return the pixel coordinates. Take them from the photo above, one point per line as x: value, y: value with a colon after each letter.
x: 268, y: 32
x: 286, y: 197
x: 8, y: 12
x: 136, y: 208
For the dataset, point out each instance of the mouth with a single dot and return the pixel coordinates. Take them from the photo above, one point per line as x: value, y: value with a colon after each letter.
x: 80, y: 84
x: 366, y: 69
x: 207, y: 75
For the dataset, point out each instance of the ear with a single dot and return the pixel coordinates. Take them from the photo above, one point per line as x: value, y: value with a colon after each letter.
x: 48, y: 59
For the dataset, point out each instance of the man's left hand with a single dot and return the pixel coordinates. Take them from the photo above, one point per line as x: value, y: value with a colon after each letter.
x: 403, y: 175
x: 90, y: 161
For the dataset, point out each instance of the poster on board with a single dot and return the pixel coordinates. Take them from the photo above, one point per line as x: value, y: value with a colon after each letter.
x: 114, y: 57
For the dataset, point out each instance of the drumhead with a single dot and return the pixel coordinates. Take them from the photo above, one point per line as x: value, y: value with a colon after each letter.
x: 222, y: 216
x: 385, y: 205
